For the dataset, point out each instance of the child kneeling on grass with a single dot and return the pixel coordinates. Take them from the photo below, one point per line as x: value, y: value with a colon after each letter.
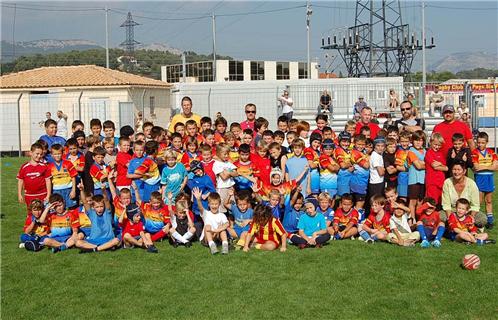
x: 134, y: 234
x: 401, y: 233
x: 215, y: 222
x: 462, y: 225
x: 312, y: 228
x: 376, y: 226
x: 266, y: 232
x: 101, y: 233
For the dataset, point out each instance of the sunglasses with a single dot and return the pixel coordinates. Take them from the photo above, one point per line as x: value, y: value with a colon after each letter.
x: 406, y: 109
x: 250, y: 111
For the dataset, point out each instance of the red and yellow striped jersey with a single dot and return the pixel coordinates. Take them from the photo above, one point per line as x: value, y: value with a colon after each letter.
x: 272, y: 231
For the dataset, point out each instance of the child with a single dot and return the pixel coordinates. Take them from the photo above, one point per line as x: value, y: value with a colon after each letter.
x: 485, y: 162
x: 191, y: 152
x: 236, y: 129
x: 416, y: 171
x: 180, y: 129
x: 294, y: 167
x: 208, y: 162
x: 312, y: 154
x: 268, y: 137
x: 193, y: 131
x: 34, y: 232
x: 232, y: 143
x: 50, y: 136
x: 312, y: 228
x: 401, y: 163
x: 262, y: 163
x: 63, y: 177
x: 136, y: 162
x: 435, y: 167
x: 328, y: 133
x: 109, y: 131
x: 325, y: 207
x: 401, y: 233
x: 92, y: 143
x: 376, y: 183
x: 350, y: 127
x: 99, y: 171
x: 290, y: 138
x: 34, y: 178
x: 123, y: 159
x: 101, y: 235
x: 462, y: 225
x: 215, y: 222
x: 134, y: 231
x: 302, y: 130
x: 342, y: 154
x: 293, y: 212
x: 75, y: 156
x: 220, y: 126
x: 392, y: 202
x: 148, y: 171
x: 174, y: 176
x: 81, y: 141
x: 156, y: 216
x: 429, y: 224
x: 248, y: 138
x: 208, y: 136
x: 293, y: 124
x: 245, y: 169
x: 110, y: 152
x: 389, y: 158
x: 182, y: 225
x: 360, y: 162
x: 321, y: 121
x: 225, y: 171
x: 63, y: 224
x: 203, y: 183
x: 96, y: 128
x: 146, y: 130
x: 265, y: 231
x: 206, y: 124
x: 376, y: 226
x: 346, y: 219
x: 459, y: 152
x: 240, y: 207
x: 328, y: 169
x: 260, y: 126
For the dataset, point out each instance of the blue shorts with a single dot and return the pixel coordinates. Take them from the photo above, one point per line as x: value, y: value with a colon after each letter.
x: 99, y: 241
x: 147, y: 189
x: 61, y: 239
x: 86, y: 231
x: 428, y: 233
x: 485, y: 182
x: 70, y: 203
x: 451, y: 235
x: 29, y: 237
x: 238, y: 230
x: 343, y: 179
x: 403, y: 184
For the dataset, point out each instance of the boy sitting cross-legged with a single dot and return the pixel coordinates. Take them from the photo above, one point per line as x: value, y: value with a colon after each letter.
x: 312, y: 228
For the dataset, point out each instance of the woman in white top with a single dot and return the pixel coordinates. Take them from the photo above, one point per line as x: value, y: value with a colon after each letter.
x: 286, y: 104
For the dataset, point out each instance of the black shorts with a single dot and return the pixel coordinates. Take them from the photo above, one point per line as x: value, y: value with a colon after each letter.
x: 359, y: 197
x: 416, y: 191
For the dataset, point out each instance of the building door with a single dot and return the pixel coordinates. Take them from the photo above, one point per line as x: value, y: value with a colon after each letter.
x: 39, y: 105
x: 95, y: 109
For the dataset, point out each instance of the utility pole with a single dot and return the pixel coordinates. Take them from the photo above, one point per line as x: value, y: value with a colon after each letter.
x: 214, y: 46
x: 106, y: 38
x: 184, y: 67
x: 309, y: 12
x: 424, y: 75
x: 14, y: 39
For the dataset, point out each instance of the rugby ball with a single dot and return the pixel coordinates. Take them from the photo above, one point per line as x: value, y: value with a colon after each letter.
x: 471, y: 262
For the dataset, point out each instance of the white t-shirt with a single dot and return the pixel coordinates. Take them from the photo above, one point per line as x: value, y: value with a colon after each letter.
x: 62, y: 128
x: 218, y: 168
x: 213, y: 220
x: 376, y: 160
x: 286, y: 108
x: 399, y: 223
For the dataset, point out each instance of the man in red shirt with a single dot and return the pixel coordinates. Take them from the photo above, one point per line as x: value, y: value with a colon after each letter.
x: 365, y: 120
x: 250, y: 110
x: 450, y: 126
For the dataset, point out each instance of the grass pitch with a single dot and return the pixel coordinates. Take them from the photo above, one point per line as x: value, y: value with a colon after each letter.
x: 346, y: 279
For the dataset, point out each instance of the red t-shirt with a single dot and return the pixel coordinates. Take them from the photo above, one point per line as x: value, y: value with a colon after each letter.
x: 447, y: 130
x: 432, y: 176
x: 428, y: 220
x: 34, y: 176
x: 247, y: 125
x: 466, y: 224
x: 374, y: 129
x: 383, y: 224
x: 133, y: 229
x: 208, y: 170
x: 263, y: 167
x: 122, y: 161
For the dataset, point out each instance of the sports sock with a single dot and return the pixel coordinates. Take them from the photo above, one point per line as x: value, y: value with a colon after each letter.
x: 440, y: 233
x: 187, y: 236
x: 158, y: 235
x: 225, y: 243
x: 179, y: 237
x: 211, y: 243
x: 421, y: 230
x: 490, y: 217
x: 63, y: 247
x: 375, y: 238
x: 364, y: 235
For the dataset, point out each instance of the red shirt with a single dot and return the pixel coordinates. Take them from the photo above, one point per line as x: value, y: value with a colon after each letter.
x: 188, y: 157
x: 433, y: 176
x: 263, y: 166
x: 344, y: 218
x: 40, y: 229
x: 428, y: 220
x: 466, y: 224
x: 133, y: 229
x: 34, y: 177
x: 122, y: 161
x: 447, y: 130
x: 247, y: 125
x: 383, y: 224
x: 374, y: 129
x: 208, y: 170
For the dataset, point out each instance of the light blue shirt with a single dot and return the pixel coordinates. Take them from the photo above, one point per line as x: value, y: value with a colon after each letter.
x: 310, y: 224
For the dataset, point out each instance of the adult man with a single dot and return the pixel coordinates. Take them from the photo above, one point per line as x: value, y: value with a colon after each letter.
x: 185, y: 115
x: 250, y: 110
x: 286, y: 103
x: 409, y: 121
x: 435, y: 100
x: 366, y: 120
x: 450, y: 126
x: 359, y: 105
x: 61, y: 124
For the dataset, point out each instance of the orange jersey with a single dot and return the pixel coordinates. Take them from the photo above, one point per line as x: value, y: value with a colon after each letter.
x: 359, y: 158
x: 39, y: 229
x: 311, y: 155
x: 62, y: 174
x: 342, y: 156
x: 382, y: 224
x: 271, y: 231
x: 342, y: 218
x: 401, y: 157
x: 465, y: 224
x: 485, y: 157
x: 78, y: 161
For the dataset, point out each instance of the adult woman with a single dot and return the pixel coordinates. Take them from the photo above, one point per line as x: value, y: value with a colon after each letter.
x: 460, y: 186
x: 325, y: 103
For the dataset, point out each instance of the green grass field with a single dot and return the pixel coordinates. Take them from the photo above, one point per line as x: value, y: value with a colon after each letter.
x: 347, y: 280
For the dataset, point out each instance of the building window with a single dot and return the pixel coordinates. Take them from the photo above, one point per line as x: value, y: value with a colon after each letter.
x: 200, y: 71
x: 257, y: 70
x: 235, y: 71
x: 152, y: 106
x: 283, y: 71
x: 303, y: 70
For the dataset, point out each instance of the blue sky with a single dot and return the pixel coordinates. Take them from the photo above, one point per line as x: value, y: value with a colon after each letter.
x: 278, y: 35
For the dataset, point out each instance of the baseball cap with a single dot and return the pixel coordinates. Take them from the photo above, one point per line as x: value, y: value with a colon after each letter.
x: 327, y: 143
x: 344, y: 135
x: 448, y: 107
x: 361, y: 96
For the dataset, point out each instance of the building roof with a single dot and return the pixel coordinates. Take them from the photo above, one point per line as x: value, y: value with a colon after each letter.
x: 75, y: 76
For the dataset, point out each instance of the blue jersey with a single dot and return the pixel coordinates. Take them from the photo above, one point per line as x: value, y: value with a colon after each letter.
x: 172, y: 178
x: 240, y: 216
x: 294, y: 167
x: 277, y: 211
x: 328, y: 214
x: 132, y: 166
x: 310, y: 224
x: 291, y: 220
x: 205, y: 185
x: 101, y: 225
x: 53, y: 140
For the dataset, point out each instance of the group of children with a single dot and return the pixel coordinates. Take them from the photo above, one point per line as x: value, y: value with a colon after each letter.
x: 251, y: 188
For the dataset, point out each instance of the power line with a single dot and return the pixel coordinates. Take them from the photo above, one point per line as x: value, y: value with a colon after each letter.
x: 22, y: 7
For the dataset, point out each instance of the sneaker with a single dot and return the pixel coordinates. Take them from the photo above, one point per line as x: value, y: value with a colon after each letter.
x: 370, y: 241
x: 425, y: 244
x: 490, y: 226
x: 436, y: 244
x: 152, y: 249
x: 174, y: 244
x: 56, y: 249
x: 188, y: 244
x: 302, y: 246
x: 490, y: 241
x: 84, y: 250
x: 213, y: 248
x: 480, y: 242
x: 318, y: 246
x: 21, y: 245
x: 224, y: 248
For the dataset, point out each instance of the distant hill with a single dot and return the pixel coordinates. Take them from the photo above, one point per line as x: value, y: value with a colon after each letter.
x: 466, y: 61
x: 160, y: 47
x: 44, y: 46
